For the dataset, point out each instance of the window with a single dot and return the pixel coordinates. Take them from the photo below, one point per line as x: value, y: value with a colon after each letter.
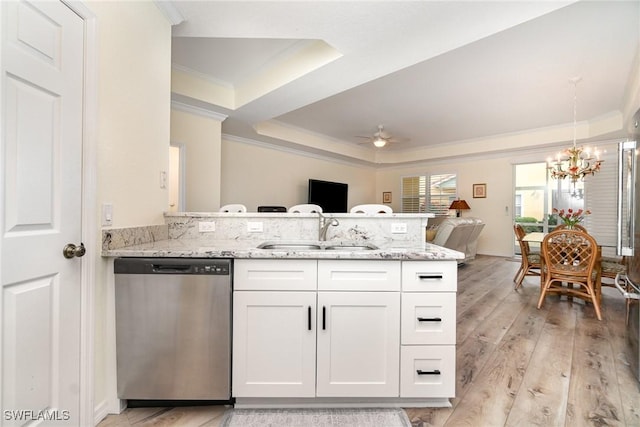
x: 418, y: 197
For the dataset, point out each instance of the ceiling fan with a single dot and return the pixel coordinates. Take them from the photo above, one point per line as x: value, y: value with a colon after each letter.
x: 380, y: 138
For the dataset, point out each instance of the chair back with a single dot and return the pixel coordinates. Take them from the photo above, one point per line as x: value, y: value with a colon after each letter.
x: 233, y: 208
x: 371, y: 209
x: 570, y: 254
x: 520, y: 233
x: 272, y: 209
x: 306, y: 208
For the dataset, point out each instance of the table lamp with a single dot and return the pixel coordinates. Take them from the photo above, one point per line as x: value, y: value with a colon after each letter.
x: 459, y: 205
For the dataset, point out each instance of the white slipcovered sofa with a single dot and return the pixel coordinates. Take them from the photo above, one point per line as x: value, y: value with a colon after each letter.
x: 457, y: 233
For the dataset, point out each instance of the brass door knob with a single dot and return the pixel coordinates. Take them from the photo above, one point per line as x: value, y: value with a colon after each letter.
x: 70, y: 250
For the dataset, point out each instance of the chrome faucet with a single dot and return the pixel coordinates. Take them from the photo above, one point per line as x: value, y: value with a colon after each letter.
x: 324, y: 225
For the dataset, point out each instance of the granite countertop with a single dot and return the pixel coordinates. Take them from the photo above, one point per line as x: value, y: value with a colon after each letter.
x: 198, y: 248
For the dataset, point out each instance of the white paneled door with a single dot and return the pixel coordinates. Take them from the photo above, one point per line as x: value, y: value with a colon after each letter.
x: 42, y: 96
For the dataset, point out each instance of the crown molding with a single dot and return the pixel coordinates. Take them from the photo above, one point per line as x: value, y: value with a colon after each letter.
x: 199, y: 111
x: 170, y: 11
x: 299, y: 152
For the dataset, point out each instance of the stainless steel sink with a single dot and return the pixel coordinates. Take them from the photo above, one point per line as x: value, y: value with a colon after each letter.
x: 300, y: 246
x: 317, y: 246
x: 351, y: 246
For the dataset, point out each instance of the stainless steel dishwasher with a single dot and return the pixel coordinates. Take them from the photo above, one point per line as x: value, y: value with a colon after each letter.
x: 173, y: 328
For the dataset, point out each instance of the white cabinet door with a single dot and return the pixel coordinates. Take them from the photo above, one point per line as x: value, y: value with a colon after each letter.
x: 275, y: 274
x: 358, y: 275
x: 274, y: 344
x: 428, y: 371
x: 428, y: 318
x: 358, y: 344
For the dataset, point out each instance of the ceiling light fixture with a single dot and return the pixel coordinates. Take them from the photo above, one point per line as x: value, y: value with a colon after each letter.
x: 574, y: 162
x: 379, y: 142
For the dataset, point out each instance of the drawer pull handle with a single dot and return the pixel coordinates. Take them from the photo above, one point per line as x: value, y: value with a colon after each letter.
x: 432, y: 276
x: 434, y: 372
x: 309, y: 318
x: 429, y: 319
x: 324, y: 317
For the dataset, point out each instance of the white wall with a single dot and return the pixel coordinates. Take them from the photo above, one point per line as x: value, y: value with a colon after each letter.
x: 255, y: 175
x: 201, y: 136
x: 134, y: 85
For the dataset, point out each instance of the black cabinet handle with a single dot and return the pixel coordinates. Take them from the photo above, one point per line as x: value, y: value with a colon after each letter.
x: 430, y: 276
x: 434, y: 372
x: 429, y: 319
x: 324, y: 318
x: 309, y: 318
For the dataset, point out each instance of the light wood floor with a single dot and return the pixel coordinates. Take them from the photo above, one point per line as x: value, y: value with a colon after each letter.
x: 516, y: 365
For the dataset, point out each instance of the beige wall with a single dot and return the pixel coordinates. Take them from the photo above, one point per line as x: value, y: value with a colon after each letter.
x: 495, y: 209
x: 134, y: 48
x: 201, y: 136
x: 254, y: 175
x: 134, y: 77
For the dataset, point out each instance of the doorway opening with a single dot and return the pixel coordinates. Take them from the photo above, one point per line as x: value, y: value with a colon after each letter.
x: 536, y: 195
x: 176, y: 185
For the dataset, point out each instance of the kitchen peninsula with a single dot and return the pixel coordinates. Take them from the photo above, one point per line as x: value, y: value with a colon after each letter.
x: 364, y: 318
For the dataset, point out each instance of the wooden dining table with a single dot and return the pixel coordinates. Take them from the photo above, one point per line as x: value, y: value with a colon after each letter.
x: 536, y: 236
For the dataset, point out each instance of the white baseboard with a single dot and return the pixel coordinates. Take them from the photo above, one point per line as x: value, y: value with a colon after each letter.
x: 104, y: 408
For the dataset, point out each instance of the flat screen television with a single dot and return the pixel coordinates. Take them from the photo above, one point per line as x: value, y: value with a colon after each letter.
x: 330, y: 196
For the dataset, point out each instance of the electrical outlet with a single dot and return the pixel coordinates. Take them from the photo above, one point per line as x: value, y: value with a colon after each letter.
x: 254, y: 227
x: 398, y: 227
x: 206, y: 226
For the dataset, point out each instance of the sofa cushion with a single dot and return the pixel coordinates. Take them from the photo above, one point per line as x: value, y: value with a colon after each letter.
x: 460, y: 234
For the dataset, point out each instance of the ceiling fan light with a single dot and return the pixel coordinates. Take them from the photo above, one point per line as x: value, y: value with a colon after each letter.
x: 379, y: 142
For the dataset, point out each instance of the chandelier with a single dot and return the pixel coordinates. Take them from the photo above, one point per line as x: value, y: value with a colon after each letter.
x: 575, y: 162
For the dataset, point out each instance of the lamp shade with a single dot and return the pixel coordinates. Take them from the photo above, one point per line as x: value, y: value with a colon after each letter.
x: 459, y: 205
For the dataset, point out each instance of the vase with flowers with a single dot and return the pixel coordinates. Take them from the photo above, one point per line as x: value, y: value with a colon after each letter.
x: 571, y: 217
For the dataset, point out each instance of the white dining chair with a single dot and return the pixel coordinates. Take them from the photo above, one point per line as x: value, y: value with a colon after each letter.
x: 306, y: 208
x: 233, y: 208
x: 371, y: 209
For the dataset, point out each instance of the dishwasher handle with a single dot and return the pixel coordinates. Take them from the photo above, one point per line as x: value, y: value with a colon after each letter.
x: 171, y: 268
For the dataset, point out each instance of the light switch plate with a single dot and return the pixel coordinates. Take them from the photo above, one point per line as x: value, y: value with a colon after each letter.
x: 206, y: 226
x: 107, y: 214
x: 254, y: 227
x: 398, y: 227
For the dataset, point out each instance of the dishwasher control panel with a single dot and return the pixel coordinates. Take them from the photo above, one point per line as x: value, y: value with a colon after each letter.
x: 211, y: 269
x: 220, y: 267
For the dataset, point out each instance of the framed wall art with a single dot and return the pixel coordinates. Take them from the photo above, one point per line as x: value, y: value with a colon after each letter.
x: 386, y: 197
x: 479, y: 191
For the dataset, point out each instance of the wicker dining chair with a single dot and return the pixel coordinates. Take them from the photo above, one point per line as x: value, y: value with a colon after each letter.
x: 610, y: 267
x: 570, y: 256
x: 530, y: 264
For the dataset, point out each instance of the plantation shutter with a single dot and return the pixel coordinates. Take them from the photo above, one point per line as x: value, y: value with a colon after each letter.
x: 436, y: 197
x: 442, y: 191
x: 601, y: 198
x: 414, y: 194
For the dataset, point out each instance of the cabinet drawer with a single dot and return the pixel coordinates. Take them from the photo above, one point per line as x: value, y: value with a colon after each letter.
x: 429, y: 276
x: 429, y: 318
x: 358, y: 275
x: 275, y: 274
x: 428, y: 371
